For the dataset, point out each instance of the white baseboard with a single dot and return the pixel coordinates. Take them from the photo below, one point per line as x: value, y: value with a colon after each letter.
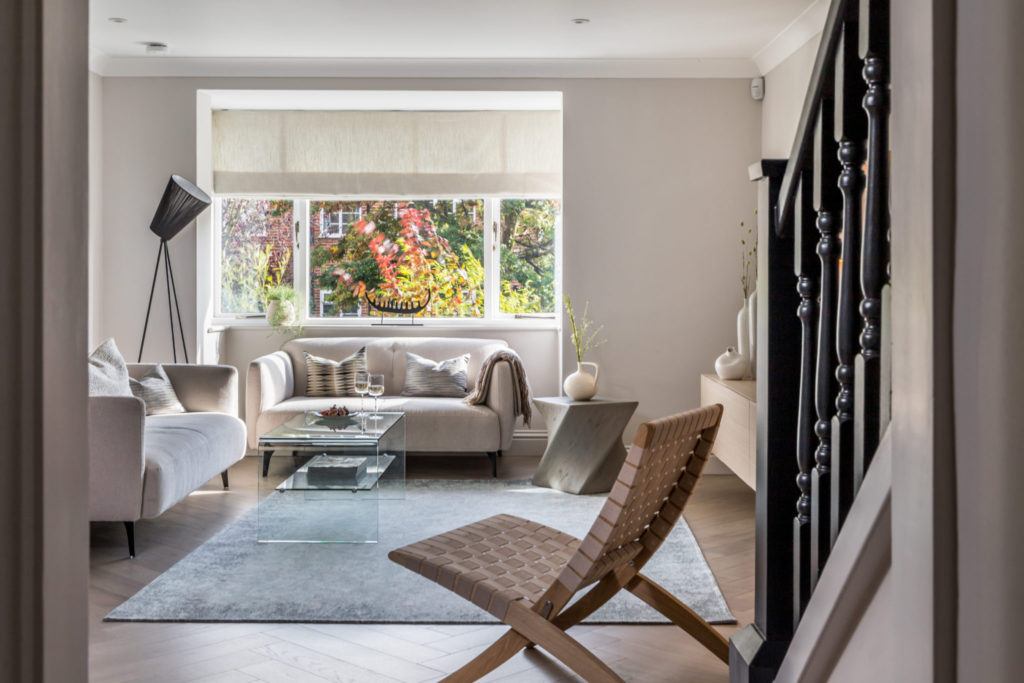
x: 528, y: 442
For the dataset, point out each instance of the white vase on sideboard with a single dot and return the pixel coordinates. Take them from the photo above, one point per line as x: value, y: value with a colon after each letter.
x: 731, y: 365
x: 752, y: 332
x: 743, y: 336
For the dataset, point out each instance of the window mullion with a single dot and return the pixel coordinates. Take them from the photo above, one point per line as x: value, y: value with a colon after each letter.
x: 492, y: 258
x: 300, y: 256
x: 218, y: 261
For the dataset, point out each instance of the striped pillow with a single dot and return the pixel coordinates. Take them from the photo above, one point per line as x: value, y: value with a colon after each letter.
x: 326, y: 377
x: 157, y: 392
x: 424, y: 377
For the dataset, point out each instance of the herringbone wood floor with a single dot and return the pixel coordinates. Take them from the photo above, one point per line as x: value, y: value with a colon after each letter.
x: 721, y: 514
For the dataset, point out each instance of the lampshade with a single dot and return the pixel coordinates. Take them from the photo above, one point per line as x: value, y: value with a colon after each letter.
x: 181, y: 203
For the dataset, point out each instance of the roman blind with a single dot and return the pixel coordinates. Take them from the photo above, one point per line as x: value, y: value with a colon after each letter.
x: 388, y: 153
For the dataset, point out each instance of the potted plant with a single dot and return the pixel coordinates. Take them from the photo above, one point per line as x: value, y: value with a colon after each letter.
x: 580, y: 385
x: 281, y: 305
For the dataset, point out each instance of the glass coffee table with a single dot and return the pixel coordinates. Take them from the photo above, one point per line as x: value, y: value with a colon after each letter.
x: 336, y: 471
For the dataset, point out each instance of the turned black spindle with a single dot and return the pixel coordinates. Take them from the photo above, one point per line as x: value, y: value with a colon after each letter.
x: 874, y: 260
x: 806, y: 267
x: 851, y: 129
x: 828, y: 201
x: 847, y: 326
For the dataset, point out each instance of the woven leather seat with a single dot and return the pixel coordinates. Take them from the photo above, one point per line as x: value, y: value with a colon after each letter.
x: 525, y: 573
x: 492, y: 562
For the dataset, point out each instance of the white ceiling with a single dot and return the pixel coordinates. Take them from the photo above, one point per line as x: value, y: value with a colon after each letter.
x: 290, y: 35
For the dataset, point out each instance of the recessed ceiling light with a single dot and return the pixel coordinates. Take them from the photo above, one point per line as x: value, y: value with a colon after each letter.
x: 153, y: 48
x: 116, y: 20
x: 581, y: 20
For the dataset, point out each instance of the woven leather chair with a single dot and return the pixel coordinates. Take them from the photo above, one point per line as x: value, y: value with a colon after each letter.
x: 525, y: 573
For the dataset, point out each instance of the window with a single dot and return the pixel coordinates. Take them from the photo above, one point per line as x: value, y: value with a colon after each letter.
x: 528, y: 229
x: 420, y: 251
x: 335, y: 223
x: 411, y: 252
x: 255, y: 251
x: 442, y: 202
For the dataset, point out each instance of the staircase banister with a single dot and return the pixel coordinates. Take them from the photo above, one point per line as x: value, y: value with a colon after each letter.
x: 824, y: 63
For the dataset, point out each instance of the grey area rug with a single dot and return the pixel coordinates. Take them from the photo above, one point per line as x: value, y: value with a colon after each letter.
x: 231, y: 578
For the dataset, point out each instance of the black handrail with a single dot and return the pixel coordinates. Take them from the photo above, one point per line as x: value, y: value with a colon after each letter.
x: 803, y: 143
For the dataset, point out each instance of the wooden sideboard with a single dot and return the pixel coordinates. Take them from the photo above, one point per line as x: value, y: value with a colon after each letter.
x: 736, y: 445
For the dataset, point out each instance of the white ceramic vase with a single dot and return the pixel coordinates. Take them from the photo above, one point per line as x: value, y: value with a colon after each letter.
x: 731, y: 365
x: 580, y: 385
x: 752, y: 329
x: 743, y: 335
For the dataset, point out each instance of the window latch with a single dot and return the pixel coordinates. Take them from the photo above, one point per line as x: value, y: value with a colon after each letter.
x: 494, y: 233
x: 297, y: 241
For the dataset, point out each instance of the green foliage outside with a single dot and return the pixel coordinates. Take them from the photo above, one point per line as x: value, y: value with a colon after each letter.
x: 250, y: 265
x: 397, y: 251
x: 528, y: 255
x: 403, y: 258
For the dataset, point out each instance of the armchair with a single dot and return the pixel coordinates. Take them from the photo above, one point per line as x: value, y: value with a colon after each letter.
x: 140, y: 466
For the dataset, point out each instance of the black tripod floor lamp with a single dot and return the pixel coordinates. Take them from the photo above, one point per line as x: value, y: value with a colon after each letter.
x: 181, y: 203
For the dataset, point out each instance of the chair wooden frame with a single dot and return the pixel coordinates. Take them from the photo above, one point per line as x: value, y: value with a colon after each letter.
x: 525, y: 573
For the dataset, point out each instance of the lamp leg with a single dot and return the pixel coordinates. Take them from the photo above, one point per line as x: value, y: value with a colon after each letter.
x: 177, y: 308
x: 170, y: 311
x: 149, y: 306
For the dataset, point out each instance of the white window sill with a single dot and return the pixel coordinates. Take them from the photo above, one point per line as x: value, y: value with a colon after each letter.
x: 372, y: 323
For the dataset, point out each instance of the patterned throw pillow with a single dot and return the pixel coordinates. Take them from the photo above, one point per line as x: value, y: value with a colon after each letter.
x: 424, y: 377
x: 157, y: 392
x: 108, y: 373
x: 326, y: 377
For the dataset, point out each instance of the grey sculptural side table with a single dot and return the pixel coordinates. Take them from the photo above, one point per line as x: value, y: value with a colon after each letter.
x: 585, y: 451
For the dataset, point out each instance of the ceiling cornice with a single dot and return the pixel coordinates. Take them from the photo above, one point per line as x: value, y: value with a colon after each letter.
x: 170, y: 66
x: 810, y: 23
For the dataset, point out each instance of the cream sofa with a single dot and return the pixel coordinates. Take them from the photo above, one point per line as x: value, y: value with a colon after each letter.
x: 140, y: 466
x: 275, y: 391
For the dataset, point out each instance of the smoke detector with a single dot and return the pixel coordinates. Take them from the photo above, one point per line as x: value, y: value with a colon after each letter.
x: 153, y: 48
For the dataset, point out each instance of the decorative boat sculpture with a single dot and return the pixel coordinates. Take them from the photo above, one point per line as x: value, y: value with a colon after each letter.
x: 409, y: 308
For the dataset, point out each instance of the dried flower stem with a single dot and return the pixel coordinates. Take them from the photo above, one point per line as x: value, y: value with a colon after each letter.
x: 583, y: 338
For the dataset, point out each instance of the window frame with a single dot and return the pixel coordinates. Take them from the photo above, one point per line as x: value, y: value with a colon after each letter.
x: 493, y: 317
x: 219, y: 316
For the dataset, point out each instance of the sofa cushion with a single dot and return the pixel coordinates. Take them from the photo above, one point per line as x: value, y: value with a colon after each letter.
x: 439, y: 349
x: 379, y: 356
x: 185, y: 451
x: 326, y: 377
x: 424, y: 377
x: 108, y: 373
x: 432, y: 424
x: 157, y: 392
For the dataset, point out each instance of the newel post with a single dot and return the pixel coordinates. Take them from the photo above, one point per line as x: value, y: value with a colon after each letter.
x: 756, y: 651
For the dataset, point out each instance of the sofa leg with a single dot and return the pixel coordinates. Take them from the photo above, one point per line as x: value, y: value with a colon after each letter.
x: 493, y: 455
x: 129, y: 528
x: 224, y: 478
x: 266, y: 461
x: 499, y: 454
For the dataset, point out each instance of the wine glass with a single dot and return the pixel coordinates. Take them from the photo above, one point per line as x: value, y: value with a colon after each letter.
x: 376, y: 389
x: 362, y: 386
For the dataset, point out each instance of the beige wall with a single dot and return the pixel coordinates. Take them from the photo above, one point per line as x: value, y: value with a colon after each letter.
x: 655, y: 185
x: 95, y: 206
x: 868, y: 654
x: 988, y: 339
x: 784, y: 89
x: 44, y: 531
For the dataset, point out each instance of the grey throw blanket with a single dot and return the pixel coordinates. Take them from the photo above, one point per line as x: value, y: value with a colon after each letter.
x: 520, y: 387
